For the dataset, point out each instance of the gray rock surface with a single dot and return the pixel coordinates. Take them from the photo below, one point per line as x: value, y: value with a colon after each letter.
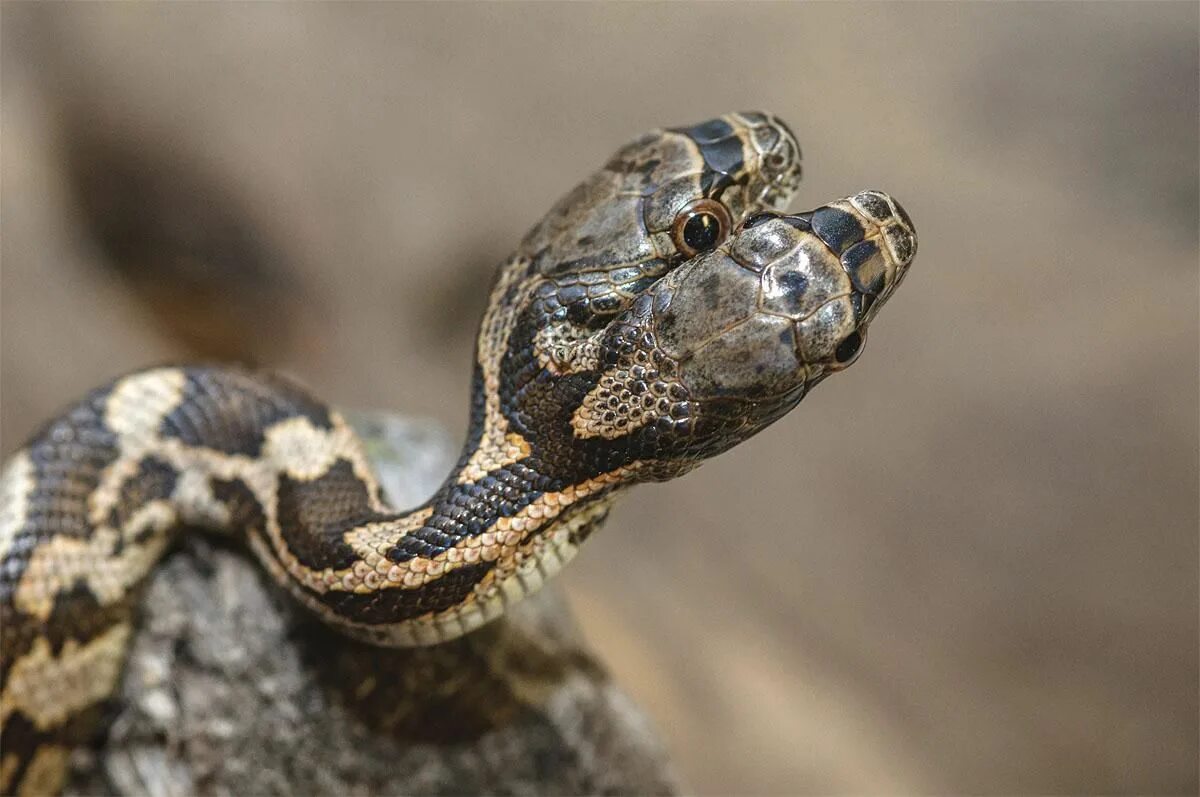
x: 233, y: 690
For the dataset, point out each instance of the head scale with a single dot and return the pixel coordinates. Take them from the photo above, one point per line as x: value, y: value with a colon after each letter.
x: 634, y: 211
x: 663, y: 312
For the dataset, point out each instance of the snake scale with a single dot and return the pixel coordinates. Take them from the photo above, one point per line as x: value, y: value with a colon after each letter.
x: 664, y: 310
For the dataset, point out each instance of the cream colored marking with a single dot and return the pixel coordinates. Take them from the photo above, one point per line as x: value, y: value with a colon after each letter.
x: 637, y: 409
x: 494, y: 454
x: 497, y: 446
x: 305, y: 452
x: 135, y: 410
x: 378, y: 538
x: 566, y: 349
x: 499, y: 589
x: 296, y: 447
x: 138, y: 404
x: 302, y: 451
x: 486, y: 603
x: 497, y: 543
x: 509, y: 543
x: 548, y: 553
x: 16, y: 484
x: 46, y: 772
x: 60, y: 562
x: 48, y: 689
x: 197, y: 504
x: 549, y: 549
x: 157, y: 515
x: 289, y: 446
x: 113, y: 478
x: 293, y: 446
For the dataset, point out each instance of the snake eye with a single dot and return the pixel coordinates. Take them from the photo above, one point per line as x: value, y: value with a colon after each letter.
x: 701, y: 226
x: 848, y: 350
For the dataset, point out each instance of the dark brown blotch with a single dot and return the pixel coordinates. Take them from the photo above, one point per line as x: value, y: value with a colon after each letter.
x: 314, y: 515
x: 837, y: 228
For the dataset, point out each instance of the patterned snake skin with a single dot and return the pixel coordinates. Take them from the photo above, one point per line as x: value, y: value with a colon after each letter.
x: 662, y: 312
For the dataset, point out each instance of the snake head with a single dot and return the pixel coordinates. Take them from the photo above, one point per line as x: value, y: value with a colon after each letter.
x: 733, y: 339
x: 668, y: 196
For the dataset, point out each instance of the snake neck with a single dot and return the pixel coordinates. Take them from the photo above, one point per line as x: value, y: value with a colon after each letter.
x: 497, y: 528
x: 239, y: 453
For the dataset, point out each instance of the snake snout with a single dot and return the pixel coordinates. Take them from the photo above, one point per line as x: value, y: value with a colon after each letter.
x: 891, y: 221
x: 871, y: 235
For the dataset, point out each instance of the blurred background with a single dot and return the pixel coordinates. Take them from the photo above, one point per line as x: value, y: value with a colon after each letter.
x: 969, y: 565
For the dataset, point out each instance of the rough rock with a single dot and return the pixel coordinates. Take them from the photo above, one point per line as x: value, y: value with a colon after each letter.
x: 233, y: 690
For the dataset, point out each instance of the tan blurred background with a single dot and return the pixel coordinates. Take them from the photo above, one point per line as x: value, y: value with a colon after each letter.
x: 969, y: 565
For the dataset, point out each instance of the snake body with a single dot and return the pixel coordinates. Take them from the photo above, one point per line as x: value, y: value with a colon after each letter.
x: 661, y: 312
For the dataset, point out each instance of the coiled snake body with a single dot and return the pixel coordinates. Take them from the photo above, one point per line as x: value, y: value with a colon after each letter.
x: 661, y: 312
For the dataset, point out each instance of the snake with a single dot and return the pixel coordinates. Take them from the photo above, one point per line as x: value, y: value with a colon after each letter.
x: 665, y: 309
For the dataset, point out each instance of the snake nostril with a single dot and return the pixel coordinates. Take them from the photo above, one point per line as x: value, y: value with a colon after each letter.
x: 849, y: 349
x: 776, y: 161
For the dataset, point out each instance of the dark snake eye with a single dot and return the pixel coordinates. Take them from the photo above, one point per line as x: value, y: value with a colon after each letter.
x: 849, y: 349
x: 701, y: 226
